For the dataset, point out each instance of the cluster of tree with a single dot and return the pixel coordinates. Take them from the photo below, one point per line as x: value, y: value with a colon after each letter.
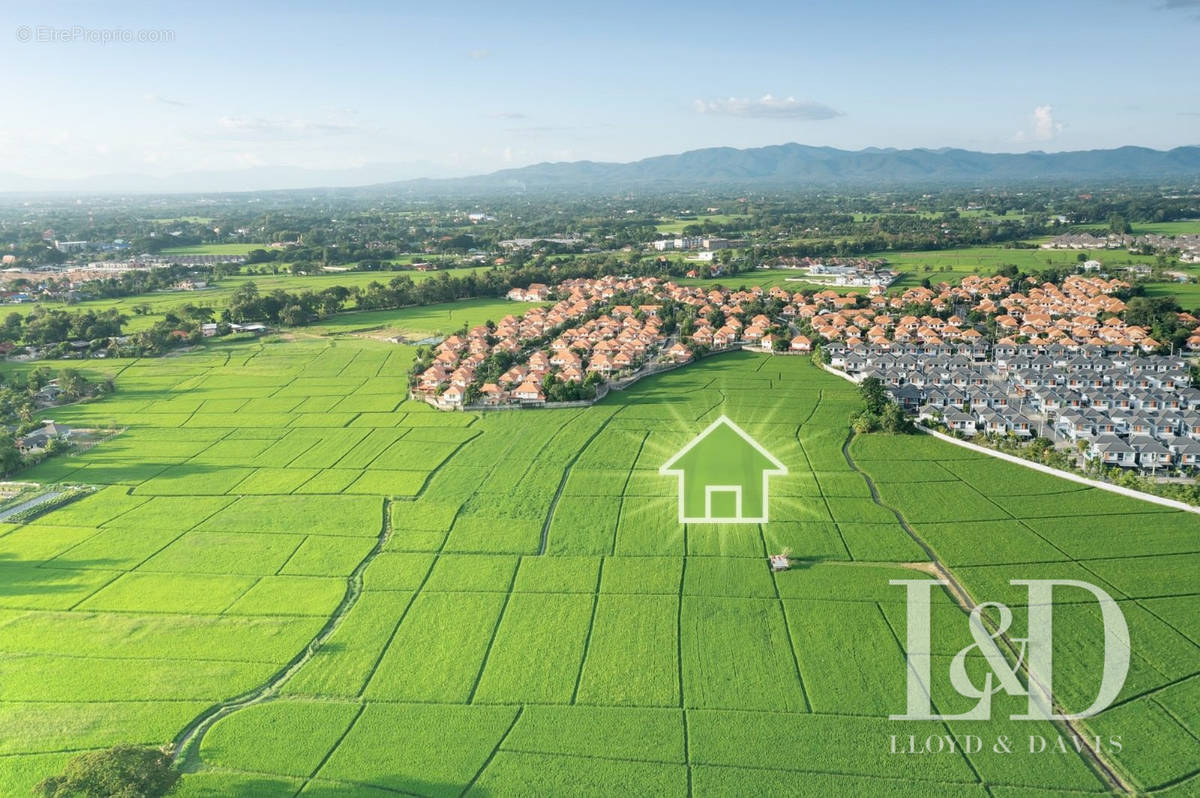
x: 19, y: 402
x: 283, y: 307
x: 144, y: 281
x: 879, y: 412
x: 125, y: 771
x: 50, y: 325
x: 1160, y: 315
x: 556, y: 390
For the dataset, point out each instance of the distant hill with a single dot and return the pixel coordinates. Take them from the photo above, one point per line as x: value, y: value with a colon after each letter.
x: 797, y: 166
x: 779, y: 167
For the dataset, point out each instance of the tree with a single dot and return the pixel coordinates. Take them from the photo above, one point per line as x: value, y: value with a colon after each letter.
x: 864, y: 422
x: 292, y: 316
x: 893, y: 419
x: 72, y: 384
x: 126, y: 771
x: 10, y: 458
x: 874, y: 395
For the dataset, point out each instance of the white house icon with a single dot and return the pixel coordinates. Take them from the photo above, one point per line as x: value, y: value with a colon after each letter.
x: 723, y: 476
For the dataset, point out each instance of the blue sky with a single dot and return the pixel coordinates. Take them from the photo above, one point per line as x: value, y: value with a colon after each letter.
x: 471, y: 87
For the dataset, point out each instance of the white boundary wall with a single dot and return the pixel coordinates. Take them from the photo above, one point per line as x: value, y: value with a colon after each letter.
x: 1095, y: 483
x: 1045, y: 469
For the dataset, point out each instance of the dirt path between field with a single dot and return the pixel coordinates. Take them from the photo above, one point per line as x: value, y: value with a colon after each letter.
x: 937, y: 568
x: 187, y: 743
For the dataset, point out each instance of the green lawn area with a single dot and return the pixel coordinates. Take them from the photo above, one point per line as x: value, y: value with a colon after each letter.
x: 218, y: 295
x: 1184, y: 227
x: 984, y: 260
x: 188, y: 219
x: 432, y: 319
x: 766, y: 278
x: 533, y: 618
x: 1187, y: 294
x: 213, y: 249
x: 676, y: 225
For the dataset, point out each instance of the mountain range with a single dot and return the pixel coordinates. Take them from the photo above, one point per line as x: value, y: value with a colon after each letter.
x: 799, y: 166
x: 779, y: 167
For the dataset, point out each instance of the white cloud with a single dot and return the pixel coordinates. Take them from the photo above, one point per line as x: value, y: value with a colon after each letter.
x: 479, y: 54
x: 767, y: 107
x: 158, y: 99
x: 1042, y: 126
x: 281, y: 128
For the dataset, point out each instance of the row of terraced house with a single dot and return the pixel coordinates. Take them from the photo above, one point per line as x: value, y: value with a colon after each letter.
x: 1124, y: 410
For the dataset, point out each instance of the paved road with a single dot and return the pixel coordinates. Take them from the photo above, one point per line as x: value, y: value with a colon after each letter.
x: 25, y: 505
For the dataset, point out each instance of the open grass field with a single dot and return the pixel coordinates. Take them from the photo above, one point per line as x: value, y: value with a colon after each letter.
x: 1184, y: 227
x: 1188, y: 294
x: 984, y: 260
x: 213, y: 249
x: 790, y: 279
x: 219, y: 294
x: 428, y: 319
x: 505, y: 603
x: 951, y: 265
x: 676, y: 226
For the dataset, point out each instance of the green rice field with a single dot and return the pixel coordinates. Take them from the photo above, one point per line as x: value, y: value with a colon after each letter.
x: 985, y: 260
x: 321, y: 588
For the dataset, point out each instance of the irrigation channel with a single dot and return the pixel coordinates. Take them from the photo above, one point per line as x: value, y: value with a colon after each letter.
x: 186, y: 744
x: 967, y: 603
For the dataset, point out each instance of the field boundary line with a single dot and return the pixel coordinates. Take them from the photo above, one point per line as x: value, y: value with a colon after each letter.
x: 1045, y: 469
x: 496, y: 750
x: 679, y: 628
x: 928, y: 694
x: 587, y: 641
x: 1018, y: 521
x: 562, y: 483
x: 787, y: 630
x: 412, y: 599
x: 1175, y: 717
x: 612, y: 550
x: 487, y: 653
x: 1186, y: 777
x: 187, y: 743
x: 687, y: 751
x: 813, y: 471
x: 362, y: 707
x: 1153, y: 691
x: 279, y: 570
x: 1100, y: 765
x: 420, y: 494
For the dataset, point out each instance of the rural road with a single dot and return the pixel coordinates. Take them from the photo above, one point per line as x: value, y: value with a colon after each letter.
x: 36, y: 501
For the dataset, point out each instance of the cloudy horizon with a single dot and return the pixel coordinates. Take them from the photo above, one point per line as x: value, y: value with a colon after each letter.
x: 139, y: 89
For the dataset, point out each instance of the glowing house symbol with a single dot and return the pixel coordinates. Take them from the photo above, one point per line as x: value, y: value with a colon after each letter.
x: 723, y: 475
